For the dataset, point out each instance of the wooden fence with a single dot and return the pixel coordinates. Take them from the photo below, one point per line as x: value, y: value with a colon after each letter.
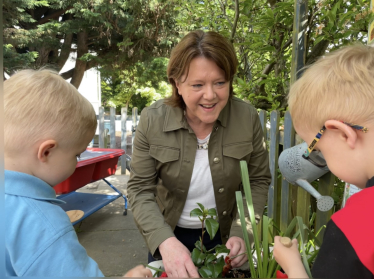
x: 285, y: 200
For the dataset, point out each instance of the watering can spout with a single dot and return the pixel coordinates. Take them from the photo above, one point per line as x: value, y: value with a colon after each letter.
x: 299, y: 171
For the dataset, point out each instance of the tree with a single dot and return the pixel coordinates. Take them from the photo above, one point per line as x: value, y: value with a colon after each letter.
x: 141, y: 84
x: 41, y: 33
x: 261, y: 31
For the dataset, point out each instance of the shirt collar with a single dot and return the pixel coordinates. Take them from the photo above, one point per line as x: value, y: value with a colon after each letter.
x: 28, y: 186
x: 175, y: 120
x: 370, y: 182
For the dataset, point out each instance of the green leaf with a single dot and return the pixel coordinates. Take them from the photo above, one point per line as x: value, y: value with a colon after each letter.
x: 206, y: 272
x: 209, y: 258
x: 196, y: 212
x: 212, y: 212
x: 303, y: 255
x: 248, y: 197
x: 201, y: 206
x: 239, y: 202
x: 211, y: 227
x: 197, y: 257
x: 198, y: 245
x: 221, y: 249
x: 318, y: 39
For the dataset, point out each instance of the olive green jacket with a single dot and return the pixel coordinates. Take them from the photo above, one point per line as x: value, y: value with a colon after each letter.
x: 163, y: 159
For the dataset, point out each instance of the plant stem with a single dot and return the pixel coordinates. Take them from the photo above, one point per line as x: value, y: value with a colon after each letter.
x: 202, y: 235
x: 233, y: 257
x: 154, y: 268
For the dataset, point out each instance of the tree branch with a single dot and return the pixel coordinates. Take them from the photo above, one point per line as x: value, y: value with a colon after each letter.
x: 69, y: 74
x: 223, y: 7
x: 53, y: 15
x: 80, y: 66
x: 235, y: 20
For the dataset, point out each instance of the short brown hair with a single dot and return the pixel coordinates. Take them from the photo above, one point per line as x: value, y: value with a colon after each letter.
x: 210, y: 45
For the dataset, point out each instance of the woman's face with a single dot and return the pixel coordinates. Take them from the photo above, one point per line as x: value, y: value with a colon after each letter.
x: 205, y: 91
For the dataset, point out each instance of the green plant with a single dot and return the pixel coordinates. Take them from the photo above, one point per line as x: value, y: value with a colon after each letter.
x: 209, y: 266
x: 266, y: 264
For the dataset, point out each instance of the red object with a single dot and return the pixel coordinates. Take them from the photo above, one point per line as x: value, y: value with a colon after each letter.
x: 280, y: 274
x: 163, y: 274
x: 96, y: 163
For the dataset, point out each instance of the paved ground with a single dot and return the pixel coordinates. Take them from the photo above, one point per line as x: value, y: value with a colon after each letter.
x: 111, y: 239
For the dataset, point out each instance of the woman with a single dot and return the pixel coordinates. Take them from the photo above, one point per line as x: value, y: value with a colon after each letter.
x: 187, y: 149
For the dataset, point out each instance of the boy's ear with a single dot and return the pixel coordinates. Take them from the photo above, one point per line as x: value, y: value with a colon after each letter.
x: 347, y: 132
x: 45, y: 149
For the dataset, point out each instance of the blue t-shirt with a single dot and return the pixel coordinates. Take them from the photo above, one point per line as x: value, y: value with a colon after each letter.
x: 39, y: 238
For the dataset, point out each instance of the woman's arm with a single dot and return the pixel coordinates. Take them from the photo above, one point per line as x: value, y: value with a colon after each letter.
x: 142, y: 189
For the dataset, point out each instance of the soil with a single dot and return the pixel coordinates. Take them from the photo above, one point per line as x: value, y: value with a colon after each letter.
x: 238, y: 273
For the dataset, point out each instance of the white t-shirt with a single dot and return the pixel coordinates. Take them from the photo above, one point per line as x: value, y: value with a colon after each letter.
x: 200, y: 191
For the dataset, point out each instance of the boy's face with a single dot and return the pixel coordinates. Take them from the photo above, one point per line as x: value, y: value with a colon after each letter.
x: 64, y: 161
x: 339, y: 159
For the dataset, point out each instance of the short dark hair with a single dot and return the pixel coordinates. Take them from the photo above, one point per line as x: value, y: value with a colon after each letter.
x: 210, y: 45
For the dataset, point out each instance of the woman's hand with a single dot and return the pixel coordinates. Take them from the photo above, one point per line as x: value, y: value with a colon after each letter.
x: 289, y: 258
x: 139, y: 271
x: 177, y: 259
x: 237, y: 247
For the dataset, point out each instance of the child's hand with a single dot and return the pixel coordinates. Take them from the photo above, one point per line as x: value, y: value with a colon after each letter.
x: 139, y: 271
x: 289, y: 258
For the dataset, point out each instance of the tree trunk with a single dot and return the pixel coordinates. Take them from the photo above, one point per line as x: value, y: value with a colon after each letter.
x: 66, y: 47
x: 80, y: 66
x: 317, y: 51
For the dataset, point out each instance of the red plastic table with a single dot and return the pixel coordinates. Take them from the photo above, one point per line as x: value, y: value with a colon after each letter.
x: 95, y: 164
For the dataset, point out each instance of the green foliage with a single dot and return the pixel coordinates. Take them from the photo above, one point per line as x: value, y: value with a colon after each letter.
x: 209, y: 266
x: 262, y: 35
x: 266, y: 264
x: 110, y: 34
x: 141, y: 84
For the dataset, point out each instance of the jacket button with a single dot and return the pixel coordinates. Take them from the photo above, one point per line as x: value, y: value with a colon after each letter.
x: 224, y: 213
x: 221, y: 190
x: 216, y: 129
x: 216, y: 160
x: 227, y: 236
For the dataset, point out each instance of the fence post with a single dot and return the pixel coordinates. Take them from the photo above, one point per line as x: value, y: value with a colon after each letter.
x: 325, y: 188
x: 112, y: 127
x: 262, y: 116
x: 298, y: 39
x: 286, y: 195
x: 123, y: 139
x: 274, y: 150
x: 101, y: 127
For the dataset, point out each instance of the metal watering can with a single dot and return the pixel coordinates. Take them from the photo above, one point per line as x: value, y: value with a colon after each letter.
x: 301, y: 172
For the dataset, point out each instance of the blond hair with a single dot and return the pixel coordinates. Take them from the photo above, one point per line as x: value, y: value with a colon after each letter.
x: 40, y: 104
x: 210, y: 45
x: 338, y: 86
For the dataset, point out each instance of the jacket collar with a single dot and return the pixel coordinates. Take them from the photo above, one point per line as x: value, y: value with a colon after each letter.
x: 175, y: 120
x: 28, y: 186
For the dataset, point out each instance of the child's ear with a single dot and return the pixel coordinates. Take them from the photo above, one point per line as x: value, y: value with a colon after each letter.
x: 347, y: 132
x: 45, y: 149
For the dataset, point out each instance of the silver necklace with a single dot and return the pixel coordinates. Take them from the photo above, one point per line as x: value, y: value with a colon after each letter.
x: 203, y: 145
